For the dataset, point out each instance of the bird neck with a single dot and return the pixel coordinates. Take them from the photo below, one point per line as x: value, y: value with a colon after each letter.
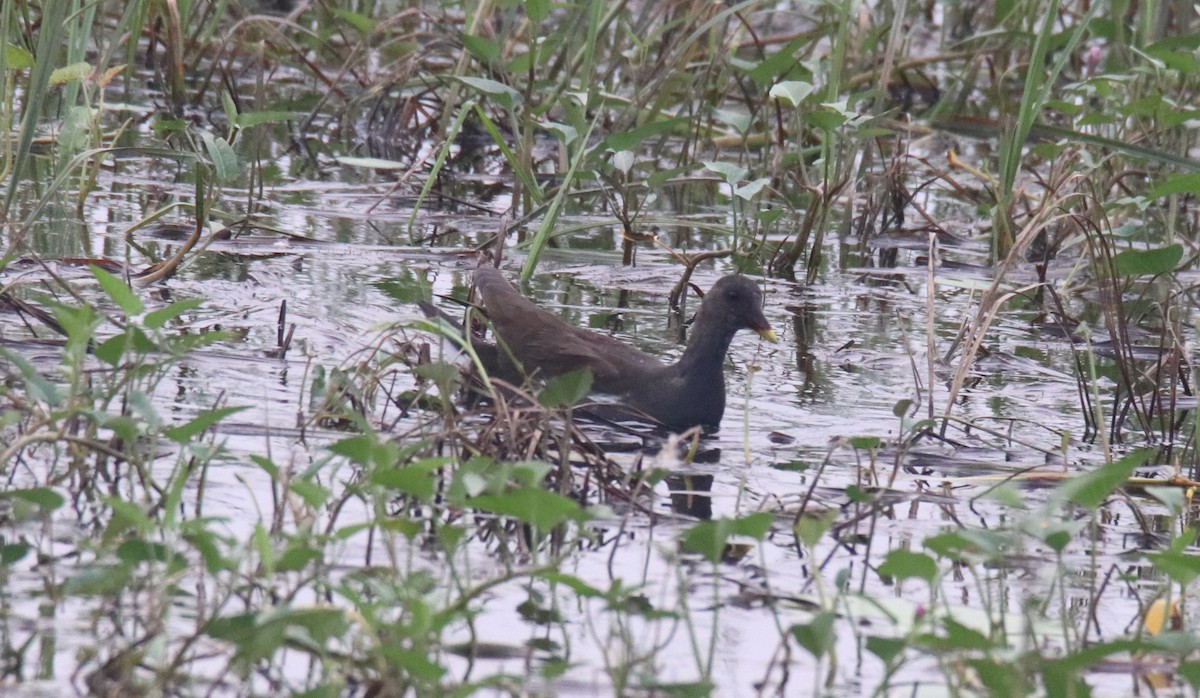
x: 705, y: 349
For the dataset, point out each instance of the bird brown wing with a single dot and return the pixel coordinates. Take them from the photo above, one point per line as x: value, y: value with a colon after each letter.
x: 542, y: 342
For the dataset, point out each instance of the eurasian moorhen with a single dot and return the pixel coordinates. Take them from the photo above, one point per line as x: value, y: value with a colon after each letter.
x: 688, y: 393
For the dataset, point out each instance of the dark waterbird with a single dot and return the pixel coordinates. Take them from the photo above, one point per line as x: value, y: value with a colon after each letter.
x: 690, y: 392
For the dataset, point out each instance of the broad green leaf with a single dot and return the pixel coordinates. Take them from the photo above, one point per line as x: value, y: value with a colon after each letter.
x: 98, y: 580
x: 254, y: 118
x: 1177, y: 184
x: 817, y: 636
x: 711, y: 538
x: 750, y: 189
x: 886, y: 648
x: 118, y: 291
x: 1091, y: 489
x: 225, y: 161
x: 157, y: 318
x: 629, y: 140
x: 17, y: 57
x: 779, y: 63
x: 792, y: 92
x: 39, y: 388
x: 186, y: 432
x: 730, y: 173
x: 532, y: 505
x: 361, y: 22
x: 42, y: 497
x: 505, y: 95
x: 482, y: 48
x: 567, y: 389
x: 905, y: 564
x: 1161, y: 260
x: 416, y: 480
x: 537, y: 10
x: 565, y: 133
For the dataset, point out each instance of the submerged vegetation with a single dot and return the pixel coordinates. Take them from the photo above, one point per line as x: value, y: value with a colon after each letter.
x: 238, y: 461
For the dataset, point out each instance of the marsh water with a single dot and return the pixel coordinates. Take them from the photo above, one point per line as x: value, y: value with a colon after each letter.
x: 337, y: 248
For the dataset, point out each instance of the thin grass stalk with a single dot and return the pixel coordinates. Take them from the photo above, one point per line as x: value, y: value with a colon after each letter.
x: 991, y: 302
x: 7, y: 97
x: 1036, y: 92
x: 443, y: 153
x: 49, y: 39
x: 545, y: 231
x: 520, y: 165
x: 483, y: 11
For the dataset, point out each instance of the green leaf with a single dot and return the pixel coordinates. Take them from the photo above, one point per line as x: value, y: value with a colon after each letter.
x: 886, y: 648
x: 537, y: 10
x: 1181, y: 184
x: 793, y: 92
x: 254, y: 118
x: 185, y: 432
x: 711, y: 538
x: 732, y: 174
x: 17, y: 57
x: 505, y: 95
x: 225, y: 161
x: 629, y: 140
x: 748, y: 190
x: 157, y: 318
x: 779, y: 63
x: 42, y: 497
x: 532, y: 505
x: 482, y: 48
x: 98, y: 580
x: 360, y: 22
x: 567, y: 389
x: 39, y: 388
x: 817, y: 637
x: 811, y: 526
x: 118, y: 291
x: 1161, y: 260
x: 1091, y: 489
x: 905, y: 564
x: 416, y: 480
x: 1002, y: 678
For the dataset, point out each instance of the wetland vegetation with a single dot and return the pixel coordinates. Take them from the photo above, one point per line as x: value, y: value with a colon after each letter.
x: 238, y: 460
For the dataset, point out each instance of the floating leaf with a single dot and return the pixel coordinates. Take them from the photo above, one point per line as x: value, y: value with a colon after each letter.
x: 370, y: 163
x: 1161, y: 260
